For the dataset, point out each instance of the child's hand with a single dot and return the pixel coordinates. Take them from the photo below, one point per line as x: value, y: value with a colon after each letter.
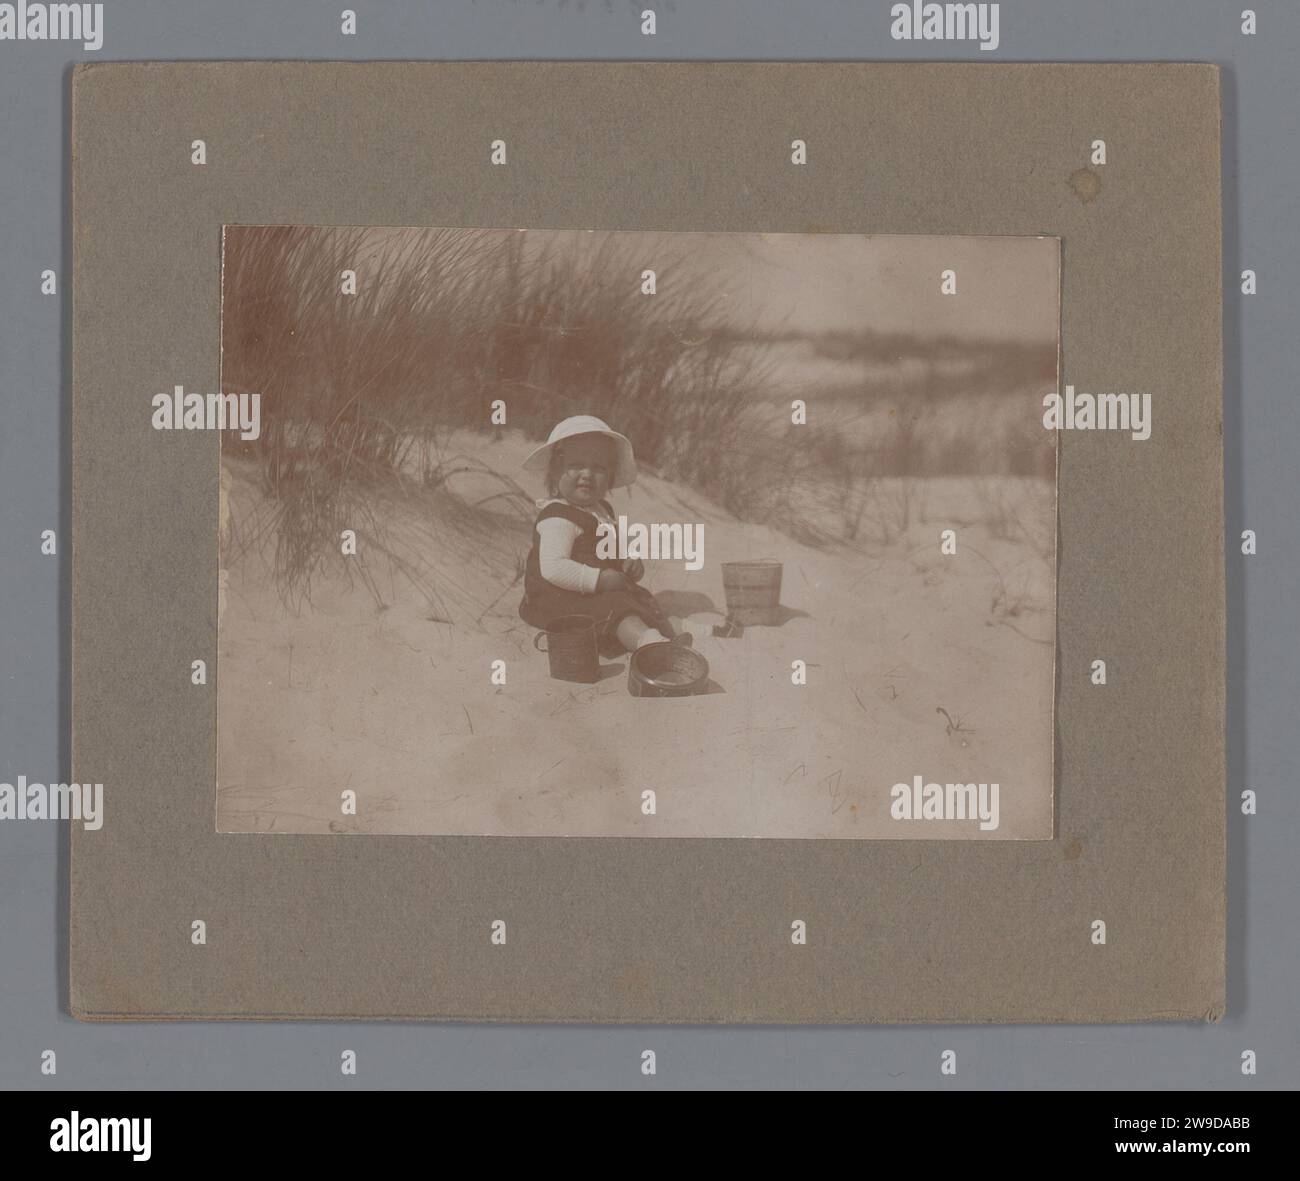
x: 611, y: 580
x: 634, y: 568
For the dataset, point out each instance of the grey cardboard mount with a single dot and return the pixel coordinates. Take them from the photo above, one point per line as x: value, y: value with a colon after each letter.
x: 657, y: 930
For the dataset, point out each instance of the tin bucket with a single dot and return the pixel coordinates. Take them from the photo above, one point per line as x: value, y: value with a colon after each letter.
x: 753, y: 592
x: 571, y: 648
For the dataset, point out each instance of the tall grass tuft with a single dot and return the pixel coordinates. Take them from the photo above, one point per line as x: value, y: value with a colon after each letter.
x: 359, y: 390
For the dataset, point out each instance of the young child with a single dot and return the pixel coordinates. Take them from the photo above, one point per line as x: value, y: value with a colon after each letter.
x: 583, y: 459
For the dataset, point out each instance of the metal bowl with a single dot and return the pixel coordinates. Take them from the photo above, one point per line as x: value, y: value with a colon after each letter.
x: 666, y: 670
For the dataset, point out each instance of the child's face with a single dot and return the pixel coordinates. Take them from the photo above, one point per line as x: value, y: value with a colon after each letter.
x: 586, y: 468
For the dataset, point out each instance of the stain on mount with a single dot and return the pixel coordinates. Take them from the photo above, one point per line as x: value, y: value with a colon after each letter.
x: 1086, y: 184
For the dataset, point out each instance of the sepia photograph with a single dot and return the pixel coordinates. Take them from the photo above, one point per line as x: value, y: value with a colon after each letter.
x: 534, y: 532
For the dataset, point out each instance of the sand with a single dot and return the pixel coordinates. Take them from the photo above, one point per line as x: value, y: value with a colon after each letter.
x: 917, y: 663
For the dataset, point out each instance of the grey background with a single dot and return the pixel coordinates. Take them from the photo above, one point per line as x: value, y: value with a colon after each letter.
x: 1260, y: 418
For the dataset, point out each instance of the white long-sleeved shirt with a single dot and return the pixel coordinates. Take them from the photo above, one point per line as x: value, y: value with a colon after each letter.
x: 557, y: 536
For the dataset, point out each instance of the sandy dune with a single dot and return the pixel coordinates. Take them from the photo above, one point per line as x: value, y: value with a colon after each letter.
x: 918, y: 663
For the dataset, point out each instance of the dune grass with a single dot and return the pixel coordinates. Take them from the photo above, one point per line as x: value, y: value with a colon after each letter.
x: 360, y: 390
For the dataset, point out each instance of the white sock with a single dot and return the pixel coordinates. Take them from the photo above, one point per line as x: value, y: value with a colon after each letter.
x: 651, y: 636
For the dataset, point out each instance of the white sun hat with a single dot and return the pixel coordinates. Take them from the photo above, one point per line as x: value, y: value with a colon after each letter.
x: 539, y: 459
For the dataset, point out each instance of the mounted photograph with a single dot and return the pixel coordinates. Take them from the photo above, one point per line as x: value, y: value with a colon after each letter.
x: 626, y: 533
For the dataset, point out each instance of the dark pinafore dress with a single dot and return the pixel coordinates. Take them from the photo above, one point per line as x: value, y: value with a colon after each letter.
x: 544, y: 601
